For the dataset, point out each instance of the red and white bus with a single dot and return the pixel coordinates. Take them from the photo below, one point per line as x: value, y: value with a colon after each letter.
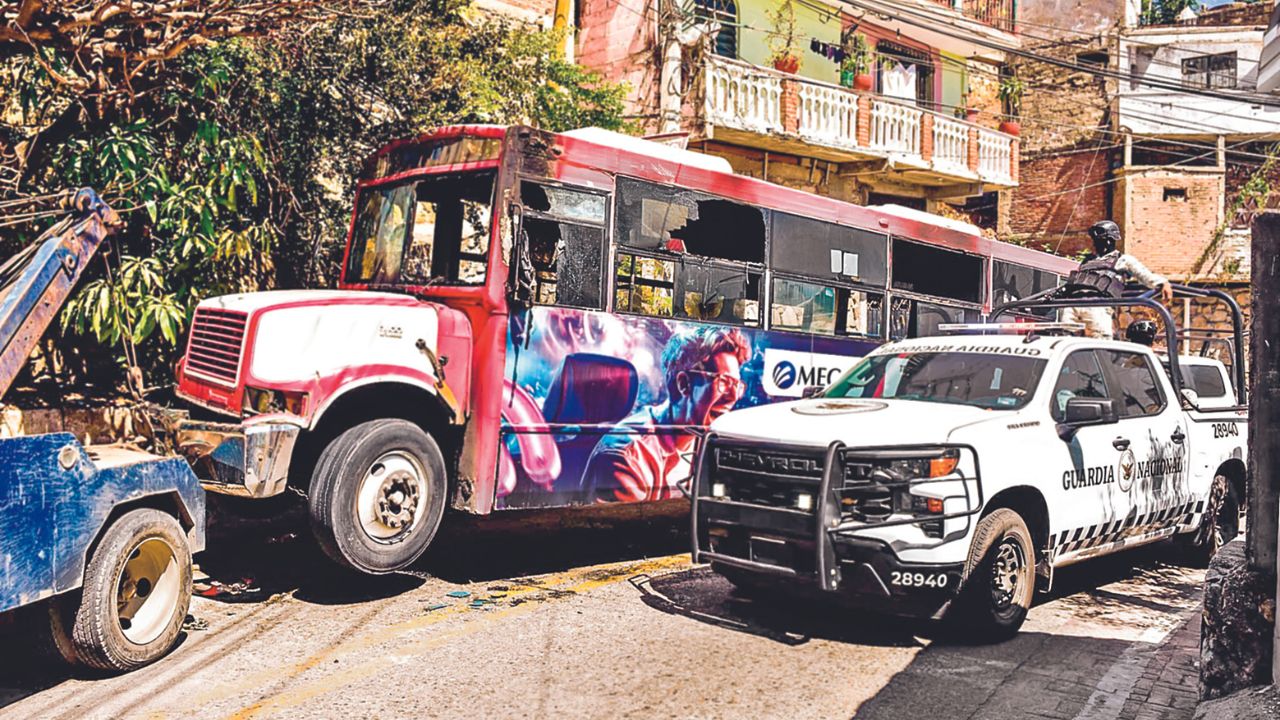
x: 529, y: 319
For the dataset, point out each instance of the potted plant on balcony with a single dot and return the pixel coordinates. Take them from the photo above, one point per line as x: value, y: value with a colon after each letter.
x: 782, y: 42
x: 855, y: 71
x: 1011, y: 89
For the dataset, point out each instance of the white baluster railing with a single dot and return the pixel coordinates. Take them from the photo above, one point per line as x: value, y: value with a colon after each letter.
x: 828, y: 115
x: 995, y: 156
x: 950, y: 145
x: 895, y: 127
x: 742, y: 97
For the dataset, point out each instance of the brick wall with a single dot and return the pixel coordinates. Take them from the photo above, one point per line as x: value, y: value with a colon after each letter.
x: 1168, y: 216
x: 1256, y: 13
x: 620, y: 44
x: 984, y: 94
x: 1040, y: 214
x: 1061, y: 107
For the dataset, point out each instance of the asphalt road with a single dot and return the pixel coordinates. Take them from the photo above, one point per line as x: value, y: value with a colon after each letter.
x: 613, y: 621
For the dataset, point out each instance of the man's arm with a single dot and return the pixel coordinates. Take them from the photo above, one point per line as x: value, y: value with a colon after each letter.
x: 1134, y: 267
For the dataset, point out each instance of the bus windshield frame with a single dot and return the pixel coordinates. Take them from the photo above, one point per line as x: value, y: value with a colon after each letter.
x: 434, y: 228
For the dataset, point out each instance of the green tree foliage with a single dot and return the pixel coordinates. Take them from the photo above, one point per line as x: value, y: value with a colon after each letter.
x: 1165, y: 12
x: 235, y: 166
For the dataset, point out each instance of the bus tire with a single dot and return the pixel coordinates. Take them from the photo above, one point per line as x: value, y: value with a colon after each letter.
x: 377, y: 495
x: 1219, y: 524
x: 136, y: 593
x: 999, y: 579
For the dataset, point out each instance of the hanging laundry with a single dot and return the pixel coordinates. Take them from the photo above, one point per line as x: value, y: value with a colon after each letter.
x: 830, y: 51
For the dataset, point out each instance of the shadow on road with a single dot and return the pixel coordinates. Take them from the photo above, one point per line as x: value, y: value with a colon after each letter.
x: 702, y: 595
x: 257, y: 554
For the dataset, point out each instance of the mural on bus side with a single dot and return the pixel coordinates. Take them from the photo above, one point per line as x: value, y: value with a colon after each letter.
x: 597, y: 406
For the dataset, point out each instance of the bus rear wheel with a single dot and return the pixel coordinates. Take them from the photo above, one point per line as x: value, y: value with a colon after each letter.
x: 377, y: 495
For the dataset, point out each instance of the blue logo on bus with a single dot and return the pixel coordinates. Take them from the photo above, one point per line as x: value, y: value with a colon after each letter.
x: 784, y: 375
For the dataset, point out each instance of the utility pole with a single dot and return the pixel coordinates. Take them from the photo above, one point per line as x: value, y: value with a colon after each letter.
x: 1264, y: 395
x: 1263, y: 530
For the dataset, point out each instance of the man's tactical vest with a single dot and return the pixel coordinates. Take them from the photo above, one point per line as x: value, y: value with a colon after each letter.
x: 1096, y: 277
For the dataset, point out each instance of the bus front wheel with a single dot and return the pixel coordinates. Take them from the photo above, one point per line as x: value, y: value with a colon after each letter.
x: 377, y: 495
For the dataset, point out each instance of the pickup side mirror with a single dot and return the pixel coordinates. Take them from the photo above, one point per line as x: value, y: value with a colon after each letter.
x: 1090, y: 411
x: 1191, y: 398
x: 811, y: 391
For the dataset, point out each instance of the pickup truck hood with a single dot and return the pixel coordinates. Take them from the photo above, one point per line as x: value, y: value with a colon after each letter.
x: 856, y: 423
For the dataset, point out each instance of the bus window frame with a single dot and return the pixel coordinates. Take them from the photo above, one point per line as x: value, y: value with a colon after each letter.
x: 984, y: 282
x: 606, y: 267
x: 848, y: 286
x: 681, y: 261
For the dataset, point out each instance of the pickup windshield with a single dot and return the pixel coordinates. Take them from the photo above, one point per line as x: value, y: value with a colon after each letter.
x: 988, y: 380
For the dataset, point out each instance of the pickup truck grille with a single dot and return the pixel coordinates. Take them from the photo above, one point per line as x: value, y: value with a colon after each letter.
x: 217, y: 337
x: 768, y: 477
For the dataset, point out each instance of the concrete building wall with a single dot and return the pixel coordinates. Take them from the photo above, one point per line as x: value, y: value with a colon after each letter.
x: 619, y: 41
x: 1052, y: 18
x: 1168, y: 216
x: 537, y: 12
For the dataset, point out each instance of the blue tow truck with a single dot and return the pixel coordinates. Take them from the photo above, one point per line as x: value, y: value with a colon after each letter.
x: 94, y: 541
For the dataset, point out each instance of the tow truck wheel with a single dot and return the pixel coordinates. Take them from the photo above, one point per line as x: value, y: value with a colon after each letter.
x: 378, y: 495
x: 137, y: 589
x: 1218, y: 526
x: 999, y: 579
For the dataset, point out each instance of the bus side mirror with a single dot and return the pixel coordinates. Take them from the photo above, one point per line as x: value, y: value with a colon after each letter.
x: 811, y: 391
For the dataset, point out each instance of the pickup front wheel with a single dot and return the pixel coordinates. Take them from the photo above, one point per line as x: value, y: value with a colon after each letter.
x: 999, y: 579
x: 377, y: 495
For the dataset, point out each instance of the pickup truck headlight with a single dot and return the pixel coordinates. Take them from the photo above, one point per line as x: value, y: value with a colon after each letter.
x: 940, y: 465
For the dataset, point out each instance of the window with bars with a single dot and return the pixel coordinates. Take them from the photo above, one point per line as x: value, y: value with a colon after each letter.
x: 724, y: 12
x: 1210, y: 71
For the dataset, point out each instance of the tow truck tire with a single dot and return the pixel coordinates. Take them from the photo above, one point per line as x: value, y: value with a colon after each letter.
x: 1219, y: 524
x: 137, y: 589
x: 999, y: 579
x: 377, y: 495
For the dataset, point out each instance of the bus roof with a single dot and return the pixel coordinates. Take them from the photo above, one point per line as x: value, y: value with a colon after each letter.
x: 603, y: 150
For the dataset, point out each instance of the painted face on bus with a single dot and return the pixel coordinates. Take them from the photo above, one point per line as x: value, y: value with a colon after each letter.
x: 715, y: 388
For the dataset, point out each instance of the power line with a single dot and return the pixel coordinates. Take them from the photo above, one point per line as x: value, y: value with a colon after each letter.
x: 918, y: 20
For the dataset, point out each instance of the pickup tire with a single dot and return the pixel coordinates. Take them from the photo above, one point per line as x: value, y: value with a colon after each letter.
x: 1219, y: 524
x: 377, y: 495
x: 999, y: 579
x: 137, y: 589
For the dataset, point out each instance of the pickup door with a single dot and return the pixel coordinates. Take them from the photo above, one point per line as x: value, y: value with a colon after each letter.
x: 1108, y: 489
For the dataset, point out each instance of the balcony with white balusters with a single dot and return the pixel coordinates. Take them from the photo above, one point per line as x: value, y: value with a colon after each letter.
x: 759, y: 107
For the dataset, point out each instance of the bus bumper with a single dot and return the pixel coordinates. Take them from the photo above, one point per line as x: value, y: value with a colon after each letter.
x: 247, y: 460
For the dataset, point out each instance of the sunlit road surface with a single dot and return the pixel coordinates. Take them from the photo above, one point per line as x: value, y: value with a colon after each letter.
x: 646, y: 636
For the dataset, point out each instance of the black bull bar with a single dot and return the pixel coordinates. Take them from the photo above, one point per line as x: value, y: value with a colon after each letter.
x: 825, y: 522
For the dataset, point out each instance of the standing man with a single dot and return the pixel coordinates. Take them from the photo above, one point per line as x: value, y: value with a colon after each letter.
x: 1110, y: 262
x: 703, y: 379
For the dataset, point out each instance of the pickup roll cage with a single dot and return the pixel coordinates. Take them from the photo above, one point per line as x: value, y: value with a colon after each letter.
x: 1051, y: 300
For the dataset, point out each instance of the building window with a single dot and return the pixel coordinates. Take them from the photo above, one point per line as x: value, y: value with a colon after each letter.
x: 724, y: 12
x: 1096, y: 58
x: 1175, y: 194
x: 905, y: 73
x: 1210, y: 71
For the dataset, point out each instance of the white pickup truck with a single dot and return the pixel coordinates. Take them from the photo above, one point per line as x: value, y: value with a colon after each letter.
x: 952, y: 475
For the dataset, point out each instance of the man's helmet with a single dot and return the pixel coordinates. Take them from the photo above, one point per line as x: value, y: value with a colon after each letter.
x: 1105, y: 235
x: 1142, y: 332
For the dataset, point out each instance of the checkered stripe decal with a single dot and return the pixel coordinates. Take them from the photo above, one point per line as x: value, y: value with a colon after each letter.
x: 1117, y: 530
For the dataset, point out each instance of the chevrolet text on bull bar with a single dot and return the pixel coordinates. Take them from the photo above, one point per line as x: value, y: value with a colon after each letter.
x: 948, y: 477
